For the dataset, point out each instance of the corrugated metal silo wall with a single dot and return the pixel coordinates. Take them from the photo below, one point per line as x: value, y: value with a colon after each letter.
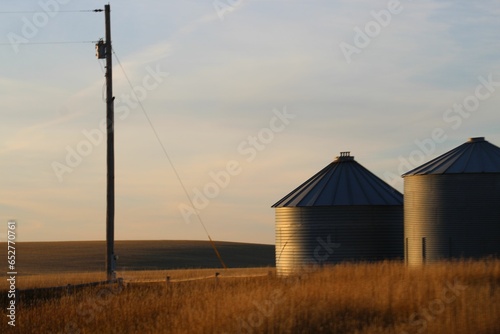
x: 326, y: 235
x: 451, y: 216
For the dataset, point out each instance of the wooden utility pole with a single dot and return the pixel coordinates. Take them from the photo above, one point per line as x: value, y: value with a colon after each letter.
x: 104, y: 50
x: 110, y: 188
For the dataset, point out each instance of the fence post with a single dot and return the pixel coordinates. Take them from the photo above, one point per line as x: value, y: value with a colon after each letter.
x: 216, y: 279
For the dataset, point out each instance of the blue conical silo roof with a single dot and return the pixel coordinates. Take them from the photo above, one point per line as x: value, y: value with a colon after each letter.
x: 342, y: 182
x: 474, y: 156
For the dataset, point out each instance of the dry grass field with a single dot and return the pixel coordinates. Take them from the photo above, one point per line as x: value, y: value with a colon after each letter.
x: 388, y: 297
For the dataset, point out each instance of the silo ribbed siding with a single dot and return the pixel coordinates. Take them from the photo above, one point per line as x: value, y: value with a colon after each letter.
x: 342, y: 213
x: 452, y: 205
x: 457, y: 214
x: 327, y: 235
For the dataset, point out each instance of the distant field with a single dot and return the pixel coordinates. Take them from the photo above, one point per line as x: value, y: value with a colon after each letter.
x: 34, y: 258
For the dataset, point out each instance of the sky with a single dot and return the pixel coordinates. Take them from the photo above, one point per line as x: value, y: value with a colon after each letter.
x: 231, y: 105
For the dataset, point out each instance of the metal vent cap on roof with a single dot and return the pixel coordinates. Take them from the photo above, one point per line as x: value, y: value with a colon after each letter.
x: 344, y: 156
x: 476, y: 139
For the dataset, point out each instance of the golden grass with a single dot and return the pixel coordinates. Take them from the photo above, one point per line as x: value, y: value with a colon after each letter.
x: 454, y: 297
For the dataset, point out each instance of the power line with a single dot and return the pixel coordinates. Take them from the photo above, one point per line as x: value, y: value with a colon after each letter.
x: 48, y: 43
x: 53, y: 12
x: 171, y: 163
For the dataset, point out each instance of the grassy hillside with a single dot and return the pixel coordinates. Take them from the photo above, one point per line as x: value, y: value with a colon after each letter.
x: 87, y: 256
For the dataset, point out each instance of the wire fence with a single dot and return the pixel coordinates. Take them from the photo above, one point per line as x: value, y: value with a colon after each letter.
x: 216, y: 277
x: 51, y: 292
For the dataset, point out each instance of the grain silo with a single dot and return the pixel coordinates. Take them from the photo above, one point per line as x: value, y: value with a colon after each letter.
x: 452, y: 205
x: 343, y: 212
